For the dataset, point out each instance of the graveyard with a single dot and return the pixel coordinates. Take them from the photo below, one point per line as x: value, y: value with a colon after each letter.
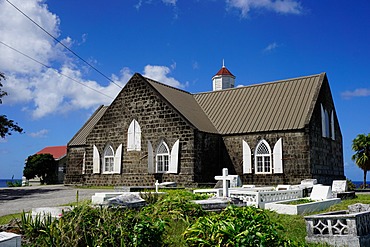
x: 164, y: 215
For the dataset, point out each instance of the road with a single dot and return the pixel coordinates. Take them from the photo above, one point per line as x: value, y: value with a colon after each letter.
x: 18, y: 199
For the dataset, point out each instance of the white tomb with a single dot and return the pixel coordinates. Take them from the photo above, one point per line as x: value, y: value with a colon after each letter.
x: 8, y: 239
x: 320, y: 192
x: 321, y: 199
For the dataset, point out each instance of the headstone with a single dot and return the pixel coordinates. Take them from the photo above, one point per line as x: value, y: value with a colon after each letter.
x: 128, y: 199
x: 8, y: 239
x: 249, y: 186
x: 320, y: 192
x: 283, y: 187
x: 339, y: 186
x: 309, y: 182
x: 225, y: 178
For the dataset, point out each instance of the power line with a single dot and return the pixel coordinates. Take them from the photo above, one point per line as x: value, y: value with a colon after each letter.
x: 55, y: 70
x: 58, y: 41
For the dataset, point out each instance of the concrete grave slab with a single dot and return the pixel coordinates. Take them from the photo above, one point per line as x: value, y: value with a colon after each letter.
x: 8, y: 239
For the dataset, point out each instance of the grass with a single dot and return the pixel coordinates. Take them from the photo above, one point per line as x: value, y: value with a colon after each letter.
x: 297, y: 202
x: 7, y: 218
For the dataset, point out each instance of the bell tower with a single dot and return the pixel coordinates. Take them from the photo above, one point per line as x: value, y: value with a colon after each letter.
x: 223, y: 79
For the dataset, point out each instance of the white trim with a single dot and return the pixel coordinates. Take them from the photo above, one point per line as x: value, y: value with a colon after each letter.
x: 163, y: 158
x: 84, y: 163
x: 332, y: 125
x: 151, y: 169
x: 247, y: 158
x: 117, y: 160
x: 106, y: 166
x: 96, y: 160
x: 278, y: 157
x: 323, y: 122
x: 174, y: 160
x: 265, y: 158
x: 134, y: 137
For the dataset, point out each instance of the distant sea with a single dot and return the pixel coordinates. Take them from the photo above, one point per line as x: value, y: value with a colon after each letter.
x: 3, y: 182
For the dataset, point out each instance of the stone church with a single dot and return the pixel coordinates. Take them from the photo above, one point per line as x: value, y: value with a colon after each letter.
x: 278, y: 132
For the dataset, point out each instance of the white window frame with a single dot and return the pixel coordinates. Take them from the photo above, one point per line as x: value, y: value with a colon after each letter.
x: 134, y: 136
x: 264, y: 158
x: 162, y: 159
x: 108, y: 160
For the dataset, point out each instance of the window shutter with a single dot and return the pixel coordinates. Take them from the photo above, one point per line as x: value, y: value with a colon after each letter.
x: 84, y: 164
x: 323, y: 122
x: 332, y: 125
x: 130, y: 137
x: 96, y: 160
x: 278, y: 156
x: 117, y: 160
x: 174, y: 162
x: 137, y: 136
x: 247, y: 158
x: 150, y: 158
x: 327, y: 124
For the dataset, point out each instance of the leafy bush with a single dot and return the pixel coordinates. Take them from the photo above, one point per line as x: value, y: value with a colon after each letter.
x: 89, y: 226
x: 236, y: 226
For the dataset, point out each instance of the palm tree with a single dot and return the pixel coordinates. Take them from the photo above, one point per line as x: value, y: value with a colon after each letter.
x: 361, y: 146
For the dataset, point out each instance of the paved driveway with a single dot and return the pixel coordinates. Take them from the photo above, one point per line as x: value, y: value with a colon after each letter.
x: 15, y: 200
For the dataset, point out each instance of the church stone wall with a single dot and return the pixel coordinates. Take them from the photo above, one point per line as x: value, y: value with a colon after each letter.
x: 326, y: 154
x: 158, y: 121
x: 74, y: 165
x: 296, y: 165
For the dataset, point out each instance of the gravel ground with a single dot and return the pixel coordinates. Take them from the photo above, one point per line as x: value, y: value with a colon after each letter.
x: 15, y: 200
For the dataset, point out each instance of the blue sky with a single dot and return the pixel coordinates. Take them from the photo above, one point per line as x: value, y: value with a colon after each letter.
x: 178, y: 42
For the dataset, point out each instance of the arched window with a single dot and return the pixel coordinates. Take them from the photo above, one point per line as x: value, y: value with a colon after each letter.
x: 134, y: 137
x: 108, y: 165
x: 162, y: 158
x: 263, y: 157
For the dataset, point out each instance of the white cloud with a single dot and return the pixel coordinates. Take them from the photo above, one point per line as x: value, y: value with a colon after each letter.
x: 39, y: 134
x: 41, y: 90
x: 271, y: 47
x: 160, y: 73
x: 278, y: 6
x: 360, y: 92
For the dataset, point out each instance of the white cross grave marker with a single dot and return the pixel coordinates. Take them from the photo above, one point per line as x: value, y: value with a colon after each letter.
x: 156, y: 186
x: 225, y: 181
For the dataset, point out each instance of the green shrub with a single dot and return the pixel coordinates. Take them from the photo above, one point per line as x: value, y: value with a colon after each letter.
x: 236, y: 226
x: 89, y: 226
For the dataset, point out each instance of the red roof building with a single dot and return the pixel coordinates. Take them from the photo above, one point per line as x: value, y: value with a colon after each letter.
x: 58, y: 152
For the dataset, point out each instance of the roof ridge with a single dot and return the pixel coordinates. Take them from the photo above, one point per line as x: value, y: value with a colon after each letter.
x: 160, y: 83
x: 262, y: 84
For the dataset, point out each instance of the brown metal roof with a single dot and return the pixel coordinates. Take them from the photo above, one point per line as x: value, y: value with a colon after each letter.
x: 80, y: 137
x: 185, y: 104
x: 279, y: 105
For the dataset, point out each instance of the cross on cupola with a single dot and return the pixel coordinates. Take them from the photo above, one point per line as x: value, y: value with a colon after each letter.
x: 223, y: 79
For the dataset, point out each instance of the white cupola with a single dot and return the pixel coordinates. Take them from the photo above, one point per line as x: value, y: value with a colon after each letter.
x: 223, y: 79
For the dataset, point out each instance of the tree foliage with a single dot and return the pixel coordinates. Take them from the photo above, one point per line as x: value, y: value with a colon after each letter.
x: 6, y: 125
x: 361, y: 146
x: 41, y: 165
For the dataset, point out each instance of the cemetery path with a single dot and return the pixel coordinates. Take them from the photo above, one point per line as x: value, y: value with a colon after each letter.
x: 15, y: 200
